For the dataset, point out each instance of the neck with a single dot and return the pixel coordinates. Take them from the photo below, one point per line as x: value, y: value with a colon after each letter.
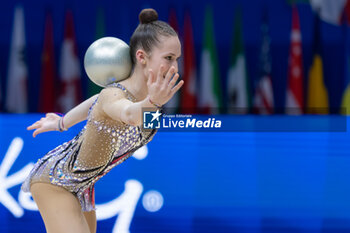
x: 136, y: 84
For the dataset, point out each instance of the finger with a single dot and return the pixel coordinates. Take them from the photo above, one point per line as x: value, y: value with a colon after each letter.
x: 160, y: 74
x: 33, y: 126
x: 51, y: 114
x: 169, y: 74
x: 173, y: 81
x: 177, y: 87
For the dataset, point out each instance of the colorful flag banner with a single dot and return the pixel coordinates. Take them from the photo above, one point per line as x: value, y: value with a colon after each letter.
x: 16, y: 95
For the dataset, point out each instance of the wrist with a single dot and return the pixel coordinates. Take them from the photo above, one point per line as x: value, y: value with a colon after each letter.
x: 154, y: 103
x: 61, y: 126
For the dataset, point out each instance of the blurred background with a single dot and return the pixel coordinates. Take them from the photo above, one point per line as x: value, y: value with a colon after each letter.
x: 265, y: 56
x: 240, y: 59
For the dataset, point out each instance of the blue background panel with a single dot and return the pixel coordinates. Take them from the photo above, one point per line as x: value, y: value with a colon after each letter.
x: 204, y: 181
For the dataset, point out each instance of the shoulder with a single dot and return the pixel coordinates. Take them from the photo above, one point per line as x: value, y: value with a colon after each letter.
x: 107, y: 99
x: 111, y: 94
x: 112, y: 102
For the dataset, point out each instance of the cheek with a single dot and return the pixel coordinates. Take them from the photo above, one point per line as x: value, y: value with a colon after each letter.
x: 155, y: 65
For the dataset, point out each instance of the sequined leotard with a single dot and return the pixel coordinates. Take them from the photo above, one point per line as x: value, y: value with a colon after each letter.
x: 101, y: 145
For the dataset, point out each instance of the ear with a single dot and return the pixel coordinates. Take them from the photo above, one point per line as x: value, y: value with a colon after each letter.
x: 141, y: 56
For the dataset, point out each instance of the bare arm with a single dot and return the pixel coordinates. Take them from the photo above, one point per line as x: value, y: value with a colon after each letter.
x: 160, y: 91
x: 51, y: 120
x: 127, y: 111
x: 78, y: 113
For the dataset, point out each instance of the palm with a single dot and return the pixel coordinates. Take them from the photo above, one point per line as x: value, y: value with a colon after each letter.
x: 163, y: 86
x: 153, y: 87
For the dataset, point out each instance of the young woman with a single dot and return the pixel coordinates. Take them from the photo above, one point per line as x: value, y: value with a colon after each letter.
x: 62, y: 182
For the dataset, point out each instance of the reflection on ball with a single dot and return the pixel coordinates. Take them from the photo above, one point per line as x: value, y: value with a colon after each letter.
x: 107, y: 60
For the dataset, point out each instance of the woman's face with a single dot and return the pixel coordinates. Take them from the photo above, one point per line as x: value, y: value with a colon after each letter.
x: 166, y: 53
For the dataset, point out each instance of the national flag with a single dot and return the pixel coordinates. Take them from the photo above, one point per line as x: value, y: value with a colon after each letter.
x: 330, y: 11
x: 48, y: 93
x: 172, y: 105
x: 346, y: 12
x: 16, y: 95
x: 295, y: 90
x: 100, y: 32
x: 71, y: 93
x: 263, y: 99
x: 238, y: 90
x: 210, y: 95
x: 345, y: 104
x: 188, y: 91
x: 317, y: 99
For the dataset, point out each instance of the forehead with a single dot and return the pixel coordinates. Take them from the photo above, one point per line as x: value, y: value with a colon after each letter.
x: 168, y: 44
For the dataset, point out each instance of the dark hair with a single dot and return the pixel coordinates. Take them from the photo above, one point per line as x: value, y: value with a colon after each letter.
x: 147, y: 33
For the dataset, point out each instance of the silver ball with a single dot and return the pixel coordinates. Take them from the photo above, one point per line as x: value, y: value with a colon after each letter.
x: 107, y: 60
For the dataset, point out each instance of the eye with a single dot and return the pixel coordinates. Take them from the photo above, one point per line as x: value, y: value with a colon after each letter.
x: 169, y: 58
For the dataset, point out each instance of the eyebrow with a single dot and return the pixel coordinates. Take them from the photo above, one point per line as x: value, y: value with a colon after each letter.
x: 173, y: 54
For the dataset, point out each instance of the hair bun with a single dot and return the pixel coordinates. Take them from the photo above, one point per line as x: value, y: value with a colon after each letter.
x: 148, y: 16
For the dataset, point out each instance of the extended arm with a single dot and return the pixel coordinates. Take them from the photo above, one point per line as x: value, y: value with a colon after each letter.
x: 51, y: 120
x: 127, y: 111
x: 160, y: 91
x: 78, y: 113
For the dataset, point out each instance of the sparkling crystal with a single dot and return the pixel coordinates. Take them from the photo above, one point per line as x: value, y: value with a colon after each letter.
x: 64, y: 159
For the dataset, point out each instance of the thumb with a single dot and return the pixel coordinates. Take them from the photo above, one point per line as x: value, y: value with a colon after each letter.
x: 38, y: 131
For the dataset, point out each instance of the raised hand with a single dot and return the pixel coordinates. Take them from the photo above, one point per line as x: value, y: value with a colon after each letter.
x: 45, y: 124
x: 162, y: 87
